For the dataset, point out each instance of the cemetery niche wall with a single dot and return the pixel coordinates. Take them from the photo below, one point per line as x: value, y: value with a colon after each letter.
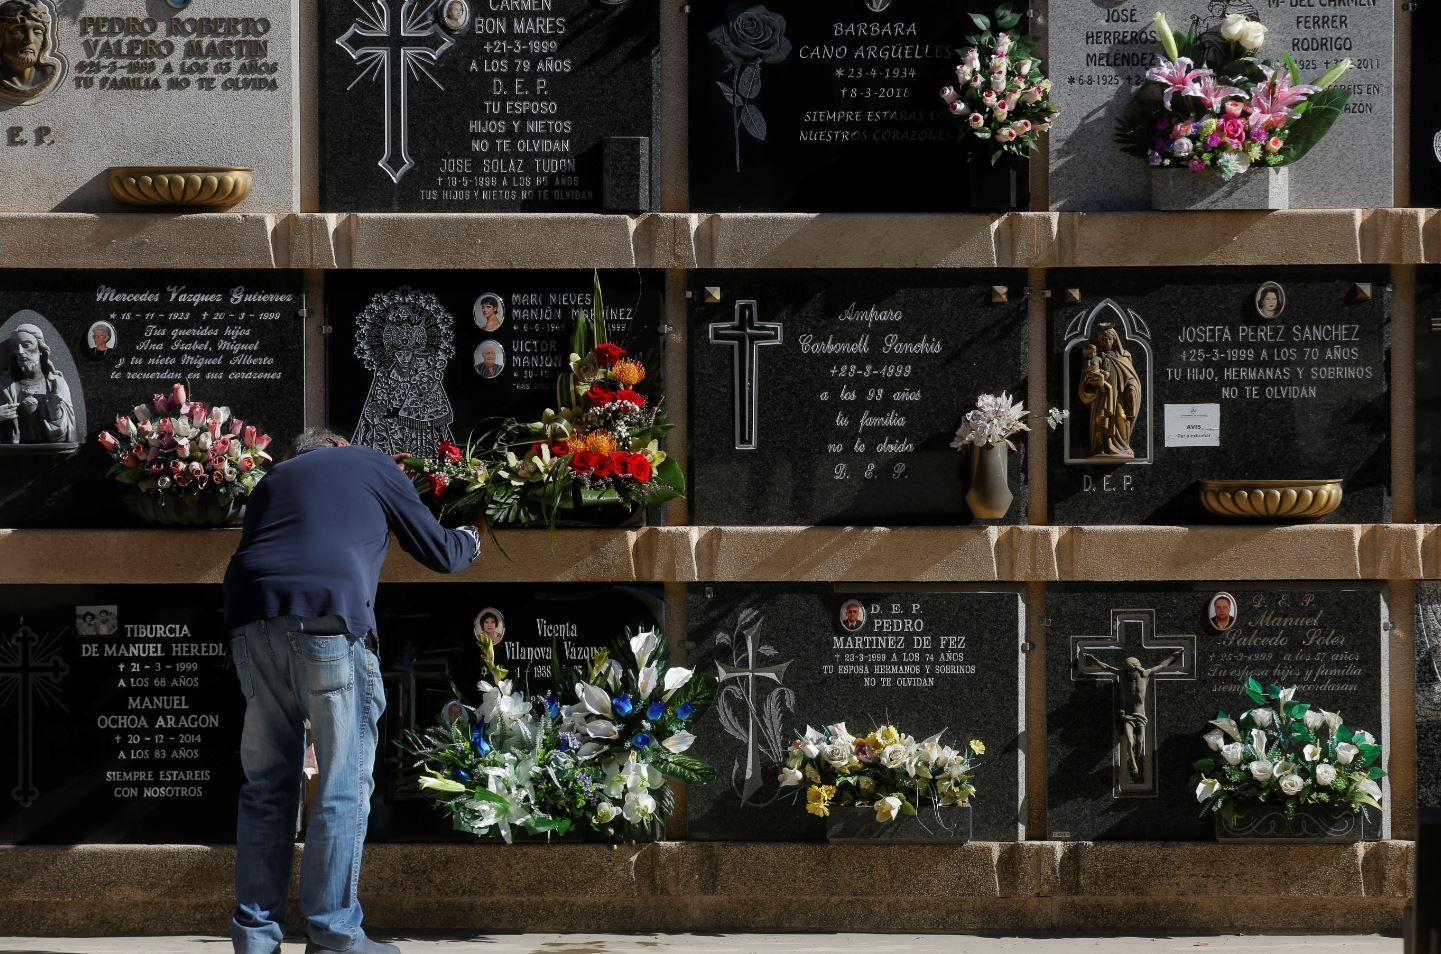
x: 1100, y: 53
x: 1428, y: 695
x: 833, y: 397
x: 428, y: 635
x: 1426, y: 110
x: 122, y: 714
x: 1179, y: 378
x: 113, y: 83
x: 789, y: 656
x: 1428, y: 393
x: 460, y: 106
x: 834, y: 107
x: 78, y: 348
x: 414, y: 358
x: 1135, y: 673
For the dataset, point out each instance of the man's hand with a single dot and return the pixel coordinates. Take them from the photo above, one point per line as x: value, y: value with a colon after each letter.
x: 9, y: 412
x: 400, y: 460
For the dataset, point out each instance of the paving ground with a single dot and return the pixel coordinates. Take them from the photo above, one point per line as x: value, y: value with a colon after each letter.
x: 750, y: 944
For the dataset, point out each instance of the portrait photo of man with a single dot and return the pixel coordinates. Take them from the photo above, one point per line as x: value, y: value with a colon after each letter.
x: 489, y: 359
x: 853, y: 615
x: 35, y: 404
x: 489, y: 313
x: 29, y: 65
x: 100, y: 339
x: 1270, y: 301
x: 1222, y: 612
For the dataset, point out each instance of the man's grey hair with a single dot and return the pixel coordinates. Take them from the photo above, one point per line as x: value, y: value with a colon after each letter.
x: 316, y: 437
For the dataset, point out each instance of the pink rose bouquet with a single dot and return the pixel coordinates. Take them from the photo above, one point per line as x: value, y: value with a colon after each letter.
x: 1000, y: 92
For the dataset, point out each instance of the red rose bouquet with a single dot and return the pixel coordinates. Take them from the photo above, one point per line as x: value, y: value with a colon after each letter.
x: 600, y: 450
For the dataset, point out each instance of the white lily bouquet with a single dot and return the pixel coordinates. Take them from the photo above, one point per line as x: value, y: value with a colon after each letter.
x: 884, y: 769
x: 1288, y: 752
x: 591, y: 759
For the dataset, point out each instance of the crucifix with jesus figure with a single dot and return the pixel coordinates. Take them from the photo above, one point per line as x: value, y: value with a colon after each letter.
x: 1135, y: 662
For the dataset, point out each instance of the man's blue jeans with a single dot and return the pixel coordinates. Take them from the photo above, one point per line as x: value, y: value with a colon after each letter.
x: 291, y: 670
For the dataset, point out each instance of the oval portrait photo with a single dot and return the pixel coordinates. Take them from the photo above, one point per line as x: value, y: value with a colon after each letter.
x: 853, y: 616
x: 489, y: 359
x: 490, y: 623
x: 489, y: 312
x: 1222, y: 612
x: 1270, y: 300
x: 100, y: 339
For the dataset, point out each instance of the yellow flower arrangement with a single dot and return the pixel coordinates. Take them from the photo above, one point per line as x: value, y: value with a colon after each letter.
x: 628, y: 371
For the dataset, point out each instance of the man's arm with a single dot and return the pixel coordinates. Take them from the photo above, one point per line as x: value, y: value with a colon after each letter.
x: 1087, y: 657
x: 419, y: 533
x: 1167, y: 663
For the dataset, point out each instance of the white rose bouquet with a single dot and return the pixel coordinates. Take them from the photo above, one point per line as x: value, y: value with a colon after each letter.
x: 1289, y: 752
x: 885, y: 769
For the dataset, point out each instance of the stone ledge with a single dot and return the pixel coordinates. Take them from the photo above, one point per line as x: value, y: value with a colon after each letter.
x: 320, y: 240
x: 921, y: 555
x: 1026, y: 887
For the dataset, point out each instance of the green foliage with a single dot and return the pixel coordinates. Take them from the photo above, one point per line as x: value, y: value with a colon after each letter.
x: 1318, y: 114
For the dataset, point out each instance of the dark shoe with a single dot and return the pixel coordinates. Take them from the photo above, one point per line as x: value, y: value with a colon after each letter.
x: 363, y: 946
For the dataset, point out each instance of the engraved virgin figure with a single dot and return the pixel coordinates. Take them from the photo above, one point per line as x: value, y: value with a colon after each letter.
x: 1111, y: 388
x: 405, y: 339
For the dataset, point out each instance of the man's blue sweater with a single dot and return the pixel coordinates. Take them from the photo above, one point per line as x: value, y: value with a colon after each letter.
x: 316, y: 530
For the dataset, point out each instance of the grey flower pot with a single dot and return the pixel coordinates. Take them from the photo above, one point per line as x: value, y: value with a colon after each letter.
x: 1311, y: 823
x: 856, y: 824
x: 1179, y: 189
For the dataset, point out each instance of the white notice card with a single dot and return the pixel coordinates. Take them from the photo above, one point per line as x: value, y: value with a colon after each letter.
x: 1193, y: 425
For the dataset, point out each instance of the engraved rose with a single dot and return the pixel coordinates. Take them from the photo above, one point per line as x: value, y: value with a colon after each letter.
x: 756, y: 35
x: 753, y: 37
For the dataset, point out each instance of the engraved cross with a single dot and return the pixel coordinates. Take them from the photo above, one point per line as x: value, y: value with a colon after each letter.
x: 410, y: 42
x: 745, y: 335
x: 28, y: 670
x: 1129, y: 659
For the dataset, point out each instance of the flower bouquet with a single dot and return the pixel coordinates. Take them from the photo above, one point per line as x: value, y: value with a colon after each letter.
x: 1211, y: 108
x: 591, y: 759
x: 1285, y: 769
x: 596, y: 458
x: 986, y: 432
x: 1000, y: 91
x: 864, y: 785
x: 187, y: 463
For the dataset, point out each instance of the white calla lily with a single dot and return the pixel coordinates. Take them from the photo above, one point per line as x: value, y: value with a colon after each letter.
x: 679, y: 742
x: 602, y: 729
x: 1206, y: 789
x: 441, y: 784
x: 645, y: 683
x: 643, y: 644
x: 595, y: 699
x: 675, y: 678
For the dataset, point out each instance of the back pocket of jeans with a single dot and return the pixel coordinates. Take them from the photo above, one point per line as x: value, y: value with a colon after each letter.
x: 240, y: 654
x: 328, y: 662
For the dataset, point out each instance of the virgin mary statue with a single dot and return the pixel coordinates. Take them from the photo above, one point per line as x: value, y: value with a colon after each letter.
x: 405, y: 339
x: 1111, y: 388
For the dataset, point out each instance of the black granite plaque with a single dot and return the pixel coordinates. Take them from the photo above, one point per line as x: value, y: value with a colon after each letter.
x: 1428, y: 394
x: 832, y: 397
x: 923, y: 660
x: 1326, y: 642
x: 1176, y: 377
x: 1426, y: 108
x: 1428, y: 695
x: 415, y: 358
x: 114, y: 339
x: 122, y: 716
x: 428, y: 647
x: 488, y: 105
x: 803, y: 106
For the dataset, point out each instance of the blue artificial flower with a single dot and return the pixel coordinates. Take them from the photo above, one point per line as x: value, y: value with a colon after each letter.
x: 477, y: 739
x: 656, y: 711
x: 622, y: 706
x: 642, y: 741
x: 552, y: 707
x: 684, y: 711
x: 460, y: 774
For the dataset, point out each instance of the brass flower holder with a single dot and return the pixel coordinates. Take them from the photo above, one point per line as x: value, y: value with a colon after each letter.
x: 1271, y: 499
x: 201, y: 187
